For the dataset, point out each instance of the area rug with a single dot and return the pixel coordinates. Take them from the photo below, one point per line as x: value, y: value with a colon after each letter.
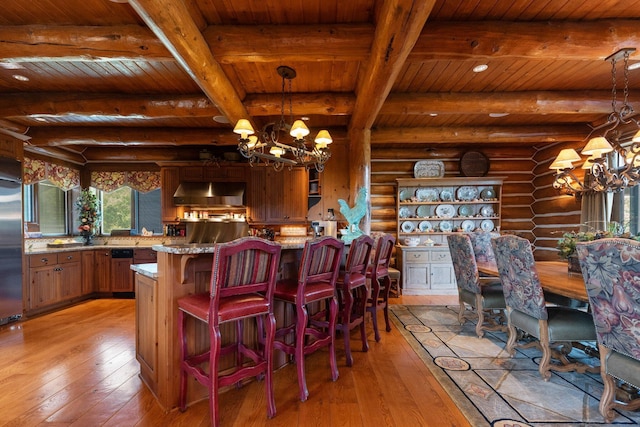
x: 493, y: 389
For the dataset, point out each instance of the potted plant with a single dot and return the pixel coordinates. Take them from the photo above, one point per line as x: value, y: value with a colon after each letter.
x: 88, y: 207
x: 567, y: 244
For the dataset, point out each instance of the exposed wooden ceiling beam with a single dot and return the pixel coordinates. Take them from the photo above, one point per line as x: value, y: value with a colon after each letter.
x: 398, y: 26
x: 174, y: 26
x: 489, y: 135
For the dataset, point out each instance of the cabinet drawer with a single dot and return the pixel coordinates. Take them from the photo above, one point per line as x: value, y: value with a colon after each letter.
x: 144, y: 256
x: 440, y: 256
x: 43, y: 260
x: 414, y: 257
x: 64, y: 257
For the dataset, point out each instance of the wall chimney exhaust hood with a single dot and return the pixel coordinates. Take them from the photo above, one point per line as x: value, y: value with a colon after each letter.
x: 210, y: 194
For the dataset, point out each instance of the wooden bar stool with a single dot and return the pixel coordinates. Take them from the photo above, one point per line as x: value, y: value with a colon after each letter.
x: 242, y: 285
x: 316, y: 283
x: 352, y: 291
x: 378, y: 275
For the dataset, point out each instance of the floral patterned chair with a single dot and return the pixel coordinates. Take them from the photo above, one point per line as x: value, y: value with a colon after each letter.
x: 482, y: 250
x: 611, y: 270
x: 527, y: 309
x: 480, y: 293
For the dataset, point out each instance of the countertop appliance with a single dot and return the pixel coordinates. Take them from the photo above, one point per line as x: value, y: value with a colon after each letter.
x: 10, y: 240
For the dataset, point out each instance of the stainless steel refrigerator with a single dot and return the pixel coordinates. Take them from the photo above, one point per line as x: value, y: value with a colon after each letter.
x: 10, y: 240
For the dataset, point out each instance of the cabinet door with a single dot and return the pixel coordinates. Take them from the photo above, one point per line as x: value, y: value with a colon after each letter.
x: 146, y: 327
x: 287, y: 193
x: 102, y: 270
x: 442, y: 276
x: 415, y: 279
x: 191, y: 174
x: 69, y: 280
x: 121, y: 275
x: 42, y: 287
x: 170, y: 181
x: 144, y: 255
x: 256, y: 195
x: 88, y: 276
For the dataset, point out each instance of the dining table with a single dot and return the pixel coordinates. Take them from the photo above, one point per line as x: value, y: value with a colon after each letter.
x: 554, y: 277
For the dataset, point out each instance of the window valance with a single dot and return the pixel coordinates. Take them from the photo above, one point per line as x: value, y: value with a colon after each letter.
x: 141, y: 181
x: 63, y: 177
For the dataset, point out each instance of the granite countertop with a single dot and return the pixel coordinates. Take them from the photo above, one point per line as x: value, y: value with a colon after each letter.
x: 41, y: 246
x: 148, y: 270
x: 207, y: 248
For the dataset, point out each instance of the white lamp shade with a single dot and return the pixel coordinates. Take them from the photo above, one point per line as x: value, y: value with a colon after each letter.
x: 243, y: 128
x: 589, y: 162
x: 565, y: 159
x: 253, y: 141
x: 277, y: 151
x: 636, y: 137
x: 299, y: 130
x: 323, y: 139
x: 597, y: 147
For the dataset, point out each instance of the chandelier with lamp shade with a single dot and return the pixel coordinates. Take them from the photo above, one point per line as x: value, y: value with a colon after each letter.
x: 267, y: 147
x: 613, y: 154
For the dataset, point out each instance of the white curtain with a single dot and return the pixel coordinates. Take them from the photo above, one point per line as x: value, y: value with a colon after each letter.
x: 596, y: 211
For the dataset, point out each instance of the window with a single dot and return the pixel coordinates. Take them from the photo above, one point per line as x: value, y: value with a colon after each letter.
x: 48, y: 206
x: 127, y: 209
x: 631, y: 210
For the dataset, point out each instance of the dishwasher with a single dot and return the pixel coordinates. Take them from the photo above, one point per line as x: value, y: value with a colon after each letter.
x: 122, y: 277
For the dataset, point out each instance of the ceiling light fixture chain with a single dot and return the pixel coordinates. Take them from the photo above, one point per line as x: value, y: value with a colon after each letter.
x: 613, y: 162
x: 270, y: 150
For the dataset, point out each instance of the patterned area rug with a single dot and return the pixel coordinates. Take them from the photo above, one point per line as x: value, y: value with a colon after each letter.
x: 493, y: 389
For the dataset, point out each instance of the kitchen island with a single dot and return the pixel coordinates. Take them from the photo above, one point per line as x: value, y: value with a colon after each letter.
x: 182, y: 269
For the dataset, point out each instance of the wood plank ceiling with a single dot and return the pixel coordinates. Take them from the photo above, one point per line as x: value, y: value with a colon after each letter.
x: 141, y: 80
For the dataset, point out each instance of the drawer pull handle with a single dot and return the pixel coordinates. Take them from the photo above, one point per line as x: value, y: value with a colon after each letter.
x: 44, y: 260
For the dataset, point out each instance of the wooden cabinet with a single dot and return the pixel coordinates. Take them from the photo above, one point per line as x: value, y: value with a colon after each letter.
x: 286, y: 196
x: 224, y: 173
x: 147, y: 329
x: 102, y: 270
x: 11, y: 148
x: 53, y: 279
x: 170, y: 179
x: 426, y: 270
x: 88, y: 276
x: 144, y: 256
x: 121, y: 275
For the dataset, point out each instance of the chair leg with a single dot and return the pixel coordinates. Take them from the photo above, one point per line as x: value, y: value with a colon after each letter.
x: 511, y: 342
x: 333, y: 315
x: 268, y: 355
x: 385, y: 310
x: 374, y: 320
x: 480, y: 311
x: 214, y: 358
x: 301, y: 327
x: 609, y: 393
x: 362, y: 312
x: 347, y: 307
x: 544, y: 368
x: 461, y: 311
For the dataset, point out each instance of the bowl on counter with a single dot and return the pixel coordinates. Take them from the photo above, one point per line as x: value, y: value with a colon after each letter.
x: 412, y: 241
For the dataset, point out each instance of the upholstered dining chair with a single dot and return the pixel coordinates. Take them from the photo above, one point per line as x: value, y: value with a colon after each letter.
x: 316, y: 283
x: 481, y: 243
x: 352, y: 289
x: 378, y: 276
x: 611, y: 271
x: 480, y: 293
x: 527, y: 309
x: 242, y: 285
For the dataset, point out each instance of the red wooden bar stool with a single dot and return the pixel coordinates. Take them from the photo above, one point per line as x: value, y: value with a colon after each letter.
x: 378, y: 274
x: 352, y: 292
x: 316, y: 283
x: 242, y: 285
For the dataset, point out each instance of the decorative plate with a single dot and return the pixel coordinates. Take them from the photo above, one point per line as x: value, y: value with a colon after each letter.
x: 425, y: 226
x: 488, y: 194
x: 427, y: 194
x: 467, y: 193
x: 404, y: 212
x: 404, y: 195
x: 446, y: 226
x: 445, y: 211
x: 446, y: 195
x: 428, y: 169
x: 465, y: 210
x: 422, y: 211
x: 486, y: 210
x: 468, y: 226
x: 487, y: 225
x: 408, y: 226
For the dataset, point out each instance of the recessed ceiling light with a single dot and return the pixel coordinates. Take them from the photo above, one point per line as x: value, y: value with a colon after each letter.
x: 220, y: 119
x: 21, y: 77
x: 11, y: 66
x: 634, y: 66
x: 480, y: 68
x: 40, y: 119
x: 498, y: 114
x: 433, y: 114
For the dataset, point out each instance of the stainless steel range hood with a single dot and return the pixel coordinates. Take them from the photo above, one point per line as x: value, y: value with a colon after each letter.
x: 210, y: 194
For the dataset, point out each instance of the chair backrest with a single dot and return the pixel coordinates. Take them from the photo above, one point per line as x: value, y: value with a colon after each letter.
x: 611, y: 271
x: 464, y: 263
x: 244, y: 266
x: 320, y: 261
x: 382, y: 257
x: 481, y: 243
x: 517, y: 269
x: 359, y: 256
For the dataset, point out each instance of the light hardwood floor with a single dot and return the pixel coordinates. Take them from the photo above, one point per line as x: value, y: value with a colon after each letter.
x: 77, y: 367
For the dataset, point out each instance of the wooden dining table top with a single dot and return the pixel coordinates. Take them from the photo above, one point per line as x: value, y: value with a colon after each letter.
x: 554, y: 277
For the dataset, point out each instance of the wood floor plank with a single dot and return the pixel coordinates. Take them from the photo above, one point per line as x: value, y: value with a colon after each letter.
x: 77, y: 367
